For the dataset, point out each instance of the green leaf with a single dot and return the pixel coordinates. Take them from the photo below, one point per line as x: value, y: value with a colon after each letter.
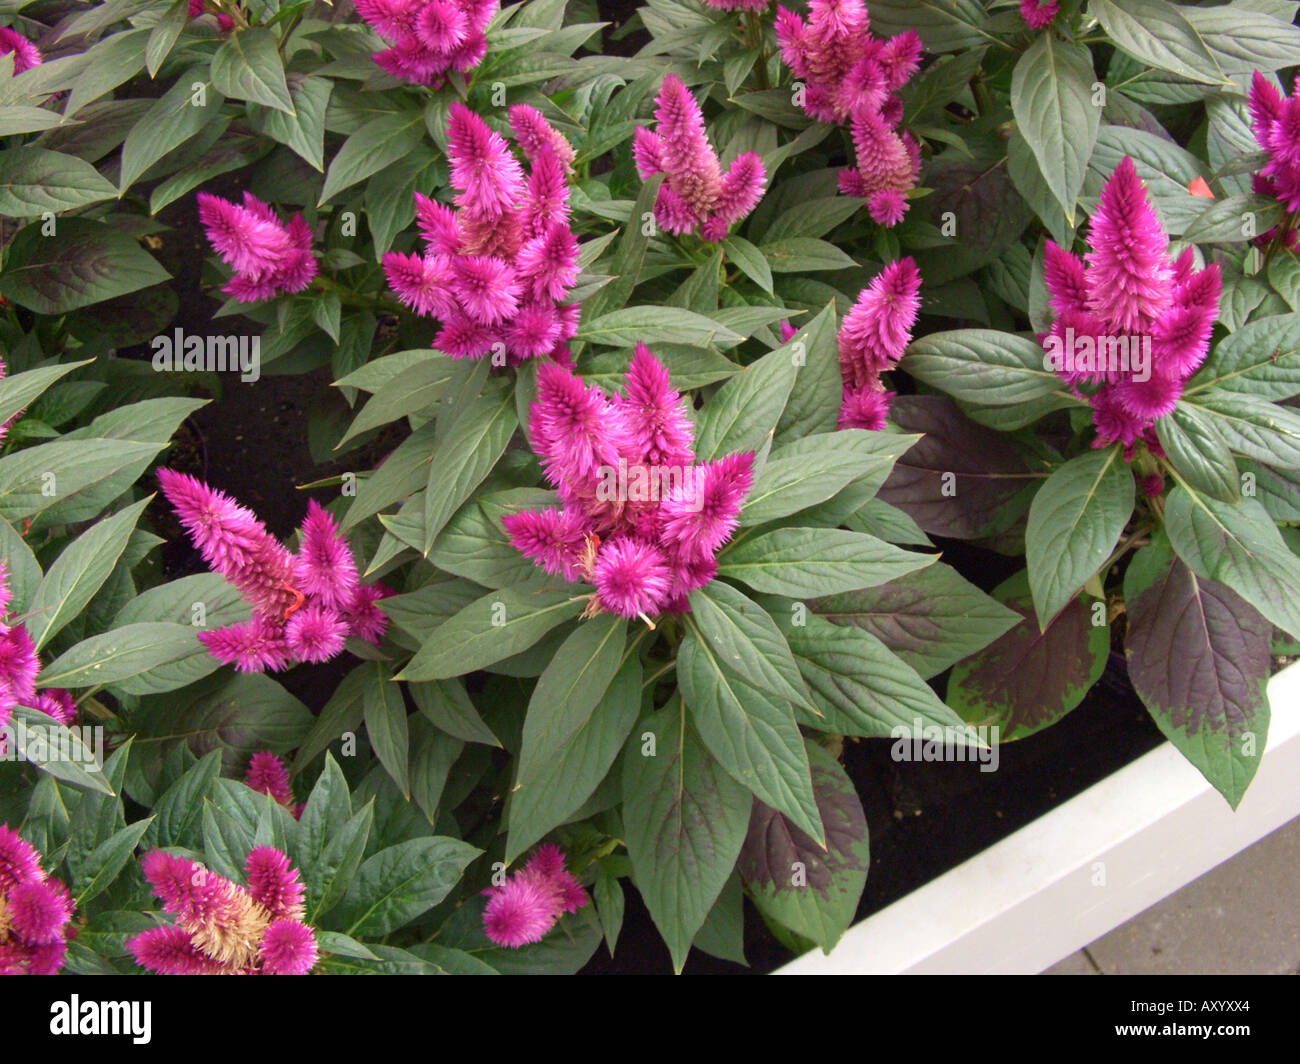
x: 36, y: 737
x: 1051, y: 98
x: 1224, y: 221
x: 814, y: 403
x: 982, y: 366
x: 88, y: 262
x: 385, y: 716
x: 172, y: 120
x: 1075, y: 521
x: 177, y: 815
x: 411, y: 390
x: 1156, y: 32
x: 1239, y: 546
x: 1197, y: 449
x: 106, y: 860
x: 741, y: 634
x: 670, y: 325
x: 816, y: 467
x: 578, y: 718
x: 467, y: 454
x: 750, y: 261
x: 248, y: 66
x: 858, y: 684
x: 807, y: 562
x: 499, y: 624
x: 1254, y: 427
x: 1198, y: 656
x: 396, y: 885
x: 163, y: 36
x: 809, y: 888
x: 334, y: 872
x: 744, y: 412
x: 22, y: 389
x: 34, y: 180
x: 131, y: 651
x: 303, y: 127
x: 799, y: 254
x: 684, y: 822
x: 379, y: 143
x: 79, y: 572
x: 1028, y: 678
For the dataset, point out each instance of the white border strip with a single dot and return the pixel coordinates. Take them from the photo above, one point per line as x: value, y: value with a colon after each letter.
x: 1080, y: 870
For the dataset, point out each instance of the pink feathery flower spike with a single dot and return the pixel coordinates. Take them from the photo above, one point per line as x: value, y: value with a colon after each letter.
x: 695, y: 193
x: 1275, y: 120
x: 495, y: 271
x: 850, y: 75
x: 429, y: 38
x: 1038, y: 14
x: 304, y: 605
x: 1129, y: 323
x: 223, y: 928
x: 872, y: 338
x: 527, y: 905
x: 641, y: 519
x: 26, y: 55
x: 268, y: 257
x: 35, y: 911
x: 268, y: 774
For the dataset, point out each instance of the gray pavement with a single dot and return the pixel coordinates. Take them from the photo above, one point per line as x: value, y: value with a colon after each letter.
x: 1240, y: 918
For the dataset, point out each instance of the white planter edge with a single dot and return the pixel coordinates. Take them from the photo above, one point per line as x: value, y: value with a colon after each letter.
x: 1079, y: 870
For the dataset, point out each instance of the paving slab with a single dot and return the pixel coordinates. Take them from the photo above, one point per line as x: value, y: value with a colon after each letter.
x: 1240, y: 918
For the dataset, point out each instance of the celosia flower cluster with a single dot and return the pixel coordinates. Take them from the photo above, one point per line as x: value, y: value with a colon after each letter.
x: 872, y: 338
x: 429, y: 37
x: 267, y: 774
x: 19, y: 668
x: 695, y: 193
x: 641, y: 520
x: 26, y: 55
x: 267, y: 256
x: 1038, y: 14
x: 34, y: 911
x: 1128, y: 318
x: 526, y: 906
x: 496, y: 272
x: 850, y: 75
x: 221, y: 928
x: 304, y: 605
x: 1276, y: 121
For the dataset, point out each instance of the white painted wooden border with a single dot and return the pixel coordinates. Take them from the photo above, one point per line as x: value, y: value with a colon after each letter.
x: 1030, y: 900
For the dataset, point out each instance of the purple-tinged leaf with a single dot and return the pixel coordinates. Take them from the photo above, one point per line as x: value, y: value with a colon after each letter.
x: 1198, y: 655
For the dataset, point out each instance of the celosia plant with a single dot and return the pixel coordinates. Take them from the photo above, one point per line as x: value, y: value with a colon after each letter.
x: 267, y: 256
x: 304, y: 605
x: 429, y: 37
x: 872, y: 339
x: 496, y: 271
x: 695, y: 194
x: 35, y: 910
x: 222, y: 928
x: 26, y: 55
x: 642, y: 520
x: 523, y: 908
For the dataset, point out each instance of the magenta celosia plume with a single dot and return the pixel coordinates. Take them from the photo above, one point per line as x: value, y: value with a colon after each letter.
x: 1127, y: 296
x: 850, y: 75
x: 35, y: 910
x: 496, y: 270
x: 269, y: 775
x: 640, y: 518
x: 1276, y: 121
x: 429, y: 37
x: 222, y: 928
x: 872, y: 338
x: 26, y: 55
x: 526, y: 906
x: 267, y: 256
x: 304, y: 605
x: 1038, y: 14
x: 695, y: 193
